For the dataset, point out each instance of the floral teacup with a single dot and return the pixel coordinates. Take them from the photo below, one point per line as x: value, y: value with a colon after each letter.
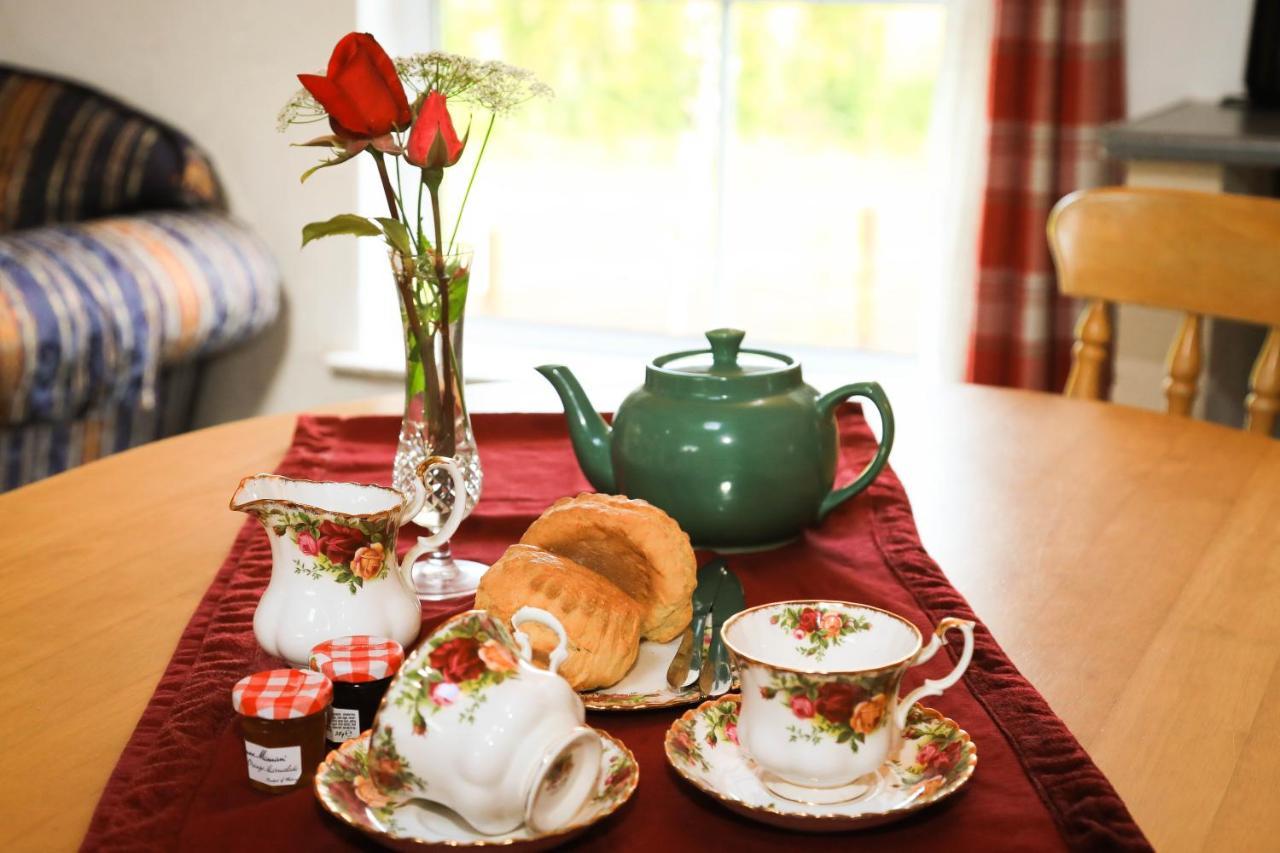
x: 820, y: 706
x: 469, y: 723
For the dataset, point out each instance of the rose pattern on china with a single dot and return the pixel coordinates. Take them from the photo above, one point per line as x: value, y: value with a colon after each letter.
x: 846, y: 708
x: 360, y: 779
x: 817, y: 629
x: 349, y: 551
x: 367, y: 561
x: 682, y: 741
x: 458, y: 659
x: 339, y: 542
x: 307, y: 543
x: 464, y: 662
x: 722, y: 723
x: 618, y: 779
x: 934, y: 754
x: 497, y: 657
x: 941, y: 752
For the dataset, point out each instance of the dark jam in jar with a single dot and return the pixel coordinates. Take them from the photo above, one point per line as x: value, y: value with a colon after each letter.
x: 361, y: 668
x: 283, y: 718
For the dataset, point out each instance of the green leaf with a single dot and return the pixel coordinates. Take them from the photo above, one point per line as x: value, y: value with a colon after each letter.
x: 343, y: 223
x: 845, y: 736
x: 397, y: 235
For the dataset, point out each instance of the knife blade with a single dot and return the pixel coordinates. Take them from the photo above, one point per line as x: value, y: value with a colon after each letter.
x: 683, y: 669
x: 729, y: 600
x: 706, y: 675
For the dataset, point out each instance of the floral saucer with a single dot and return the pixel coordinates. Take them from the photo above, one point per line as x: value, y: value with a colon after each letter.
x: 935, y: 759
x: 645, y: 686
x: 346, y: 792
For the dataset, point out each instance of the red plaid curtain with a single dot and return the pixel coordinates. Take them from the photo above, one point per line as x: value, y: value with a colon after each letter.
x: 1057, y: 75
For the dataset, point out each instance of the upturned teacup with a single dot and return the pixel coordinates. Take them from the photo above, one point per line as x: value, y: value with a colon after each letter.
x: 820, y: 711
x: 471, y: 724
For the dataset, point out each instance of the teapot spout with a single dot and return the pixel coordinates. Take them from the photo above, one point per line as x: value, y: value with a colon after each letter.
x: 587, y: 430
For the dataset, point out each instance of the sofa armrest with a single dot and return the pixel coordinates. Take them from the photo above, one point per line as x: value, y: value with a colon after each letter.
x: 91, y: 313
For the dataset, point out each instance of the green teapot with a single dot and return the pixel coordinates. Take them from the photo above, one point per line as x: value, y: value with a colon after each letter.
x: 730, y: 442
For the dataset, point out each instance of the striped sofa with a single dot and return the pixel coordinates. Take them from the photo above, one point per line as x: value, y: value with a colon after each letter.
x: 120, y: 275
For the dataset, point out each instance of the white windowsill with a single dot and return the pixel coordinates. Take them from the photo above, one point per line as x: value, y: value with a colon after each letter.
x: 507, y: 351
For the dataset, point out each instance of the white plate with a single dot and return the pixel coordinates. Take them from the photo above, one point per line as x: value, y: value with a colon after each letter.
x: 645, y: 685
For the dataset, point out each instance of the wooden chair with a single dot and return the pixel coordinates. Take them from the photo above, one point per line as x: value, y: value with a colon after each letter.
x: 1201, y: 253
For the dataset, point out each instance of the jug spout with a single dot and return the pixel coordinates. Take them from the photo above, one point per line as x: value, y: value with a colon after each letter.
x: 587, y: 430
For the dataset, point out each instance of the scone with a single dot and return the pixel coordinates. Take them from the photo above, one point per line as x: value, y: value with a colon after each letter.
x: 602, y: 621
x: 635, y: 545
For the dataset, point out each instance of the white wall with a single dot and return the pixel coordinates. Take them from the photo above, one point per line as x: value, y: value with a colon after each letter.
x: 220, y: 71
x: 1175, y: 50
x: 1184, y: 49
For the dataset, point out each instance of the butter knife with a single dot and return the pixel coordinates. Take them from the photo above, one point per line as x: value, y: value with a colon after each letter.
x: 684, y: 667
x: 717, y: 674
x: 729, y: 600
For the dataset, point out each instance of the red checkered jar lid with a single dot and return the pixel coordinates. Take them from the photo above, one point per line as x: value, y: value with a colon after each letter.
x: 281, y: 694
x: 357, y: 658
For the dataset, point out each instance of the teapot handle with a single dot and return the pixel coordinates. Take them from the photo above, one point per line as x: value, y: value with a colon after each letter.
x: 542, y: 617
x: 826, y: 408
x: 419, y: 499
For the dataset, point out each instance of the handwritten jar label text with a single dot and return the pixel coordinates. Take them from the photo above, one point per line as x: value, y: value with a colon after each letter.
x: 277, y: 767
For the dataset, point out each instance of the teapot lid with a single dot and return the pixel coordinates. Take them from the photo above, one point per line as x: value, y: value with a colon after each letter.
x: 729, y: 372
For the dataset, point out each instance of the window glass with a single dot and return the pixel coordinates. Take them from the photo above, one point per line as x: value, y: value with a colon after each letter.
x: 672, y: 185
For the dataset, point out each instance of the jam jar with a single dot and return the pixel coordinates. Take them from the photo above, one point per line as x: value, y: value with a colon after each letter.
x: 283, y: 717
x: 361, y: 668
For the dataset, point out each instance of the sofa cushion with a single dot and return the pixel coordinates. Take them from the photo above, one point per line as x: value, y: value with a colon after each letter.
x: 91, y: 313
x: 69, y: 153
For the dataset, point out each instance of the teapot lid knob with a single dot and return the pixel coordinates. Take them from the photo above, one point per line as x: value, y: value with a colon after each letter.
x: 724, y: 346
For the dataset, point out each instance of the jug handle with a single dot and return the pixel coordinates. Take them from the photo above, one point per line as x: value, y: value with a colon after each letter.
x: 542, y: 617
x: 826, y: 408
x: 419, y: 500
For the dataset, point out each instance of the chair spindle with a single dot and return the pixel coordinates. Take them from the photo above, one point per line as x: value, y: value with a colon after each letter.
x: 1089, y: 352
x: 1263, y: 402
x: 1183, y: 365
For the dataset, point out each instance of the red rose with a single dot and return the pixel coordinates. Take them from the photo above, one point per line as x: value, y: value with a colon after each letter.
x: 835, y: 701
x: 458, y: 660
x: 338, y: 542
x: 361, y: 91
x: 433, y: 143
x: 307, y: 544
x: 802, y: 706
x: 619, y: 776
x: 808, y: 619
x: 938, y: 760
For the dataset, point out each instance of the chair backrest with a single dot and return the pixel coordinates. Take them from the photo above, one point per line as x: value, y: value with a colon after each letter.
x: 1200, y: 253
x: 70, y: 153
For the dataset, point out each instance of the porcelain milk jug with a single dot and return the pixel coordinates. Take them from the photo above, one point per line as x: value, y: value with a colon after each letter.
x: 333, y: 559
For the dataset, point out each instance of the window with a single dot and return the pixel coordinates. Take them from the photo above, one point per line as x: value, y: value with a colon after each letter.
x: 705, y: 163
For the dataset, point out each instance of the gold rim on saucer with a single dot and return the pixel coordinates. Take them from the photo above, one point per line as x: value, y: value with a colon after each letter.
x: 680, y: 760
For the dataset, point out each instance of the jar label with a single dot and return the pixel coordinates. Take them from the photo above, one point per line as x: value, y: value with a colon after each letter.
x: 344, y: 724
x: 276, y: 766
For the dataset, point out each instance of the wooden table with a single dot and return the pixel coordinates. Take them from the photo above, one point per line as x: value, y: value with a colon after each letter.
x: 1129, y: 563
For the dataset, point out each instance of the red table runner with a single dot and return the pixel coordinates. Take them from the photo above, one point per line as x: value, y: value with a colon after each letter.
x: 180, y: 783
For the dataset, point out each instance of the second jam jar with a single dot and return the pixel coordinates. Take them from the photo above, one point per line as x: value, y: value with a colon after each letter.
x: 361, y: 668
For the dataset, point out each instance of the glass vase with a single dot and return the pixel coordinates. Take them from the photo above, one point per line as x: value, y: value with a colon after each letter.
x: 435, y: 419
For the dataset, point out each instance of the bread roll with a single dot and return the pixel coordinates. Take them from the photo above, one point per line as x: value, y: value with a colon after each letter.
x: 635, y: 545
x: 603, y: 622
